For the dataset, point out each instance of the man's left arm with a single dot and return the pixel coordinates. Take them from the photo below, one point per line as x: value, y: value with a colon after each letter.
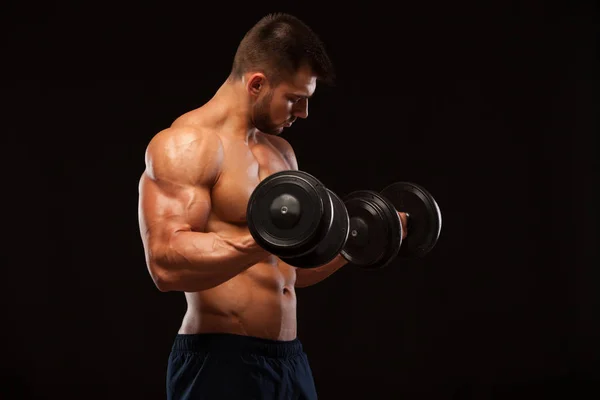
x: 308, y: 276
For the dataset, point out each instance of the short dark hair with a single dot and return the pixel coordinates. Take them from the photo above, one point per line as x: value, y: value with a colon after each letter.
x: 278, y: 45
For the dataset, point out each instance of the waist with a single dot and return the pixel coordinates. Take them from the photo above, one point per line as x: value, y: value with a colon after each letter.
x: 256, y: 317
x: 244, y: 306
x: 232, y: 343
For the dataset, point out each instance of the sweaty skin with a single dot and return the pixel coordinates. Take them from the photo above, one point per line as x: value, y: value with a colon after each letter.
x: 199, y: 175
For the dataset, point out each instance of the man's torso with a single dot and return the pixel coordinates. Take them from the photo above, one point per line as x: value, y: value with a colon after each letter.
x: 260, y: 301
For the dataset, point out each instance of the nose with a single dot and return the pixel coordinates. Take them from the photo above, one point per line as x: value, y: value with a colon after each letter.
x: 301, y: 109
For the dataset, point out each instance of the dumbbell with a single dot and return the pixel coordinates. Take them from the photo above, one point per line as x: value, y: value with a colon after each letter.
x: 294, y: 216
x: 375, y: 232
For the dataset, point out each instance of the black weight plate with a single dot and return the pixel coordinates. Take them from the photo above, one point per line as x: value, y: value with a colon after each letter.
x: 288, y: 212
x: 425, y: 218
x: 332, y: 243
x: 394, y: 235
x: 375, y: 230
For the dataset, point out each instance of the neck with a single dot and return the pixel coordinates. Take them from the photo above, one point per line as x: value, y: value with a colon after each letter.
x: 231, y: 108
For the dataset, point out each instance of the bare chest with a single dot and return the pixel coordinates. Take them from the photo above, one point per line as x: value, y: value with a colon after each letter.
x: 243, y: 169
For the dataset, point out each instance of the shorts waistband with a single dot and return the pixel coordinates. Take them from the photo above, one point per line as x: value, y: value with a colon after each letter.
x: 227, y: 342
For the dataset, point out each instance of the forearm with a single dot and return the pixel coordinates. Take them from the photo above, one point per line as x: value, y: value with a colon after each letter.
x: 309, y: 276
x: 195, y: 261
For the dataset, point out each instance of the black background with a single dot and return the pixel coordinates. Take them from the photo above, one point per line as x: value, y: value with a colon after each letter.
x: 489, y: 105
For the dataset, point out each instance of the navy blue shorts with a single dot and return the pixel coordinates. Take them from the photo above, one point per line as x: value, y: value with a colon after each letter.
x: 215, y: 366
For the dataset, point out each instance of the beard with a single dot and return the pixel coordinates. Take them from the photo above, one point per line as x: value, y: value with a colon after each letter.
x: 261, y: 116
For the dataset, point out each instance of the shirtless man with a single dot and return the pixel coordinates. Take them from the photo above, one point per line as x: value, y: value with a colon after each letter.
x: 238, y: 337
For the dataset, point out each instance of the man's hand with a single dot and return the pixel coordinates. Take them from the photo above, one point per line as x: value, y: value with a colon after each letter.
x: 404, y: 224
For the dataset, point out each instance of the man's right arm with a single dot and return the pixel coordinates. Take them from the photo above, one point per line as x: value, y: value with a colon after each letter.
x: 182, y: 165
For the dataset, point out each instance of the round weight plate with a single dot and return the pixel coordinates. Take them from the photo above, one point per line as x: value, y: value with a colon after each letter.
x: 331, y: 244
x: 375, y: 231
x: 288, y: 212
x: 424, y: 221
x: 394, y: 235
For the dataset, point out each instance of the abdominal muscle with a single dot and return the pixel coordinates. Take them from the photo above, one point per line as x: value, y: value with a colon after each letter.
x: 259, y: 302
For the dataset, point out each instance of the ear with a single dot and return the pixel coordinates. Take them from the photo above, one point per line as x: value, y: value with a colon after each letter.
x: 256, y: 83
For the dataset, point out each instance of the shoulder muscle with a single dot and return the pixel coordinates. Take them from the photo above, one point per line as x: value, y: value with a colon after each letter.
x: 184, y: 155
x: 286, y: 150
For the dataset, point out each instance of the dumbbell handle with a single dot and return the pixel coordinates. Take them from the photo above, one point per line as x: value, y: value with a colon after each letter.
x: 407, y: 222
x: 354, y: 232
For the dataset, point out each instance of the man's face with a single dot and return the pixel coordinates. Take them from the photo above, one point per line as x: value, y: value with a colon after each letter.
x: 278, y: 107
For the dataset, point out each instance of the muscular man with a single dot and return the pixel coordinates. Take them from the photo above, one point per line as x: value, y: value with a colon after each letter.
x: 238, y: 337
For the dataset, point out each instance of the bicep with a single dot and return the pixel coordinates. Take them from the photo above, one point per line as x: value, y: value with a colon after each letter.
x: 167, y: 207
x: 174, y: 190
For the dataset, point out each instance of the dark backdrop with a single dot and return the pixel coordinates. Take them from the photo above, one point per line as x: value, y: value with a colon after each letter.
x: 489, y: 105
